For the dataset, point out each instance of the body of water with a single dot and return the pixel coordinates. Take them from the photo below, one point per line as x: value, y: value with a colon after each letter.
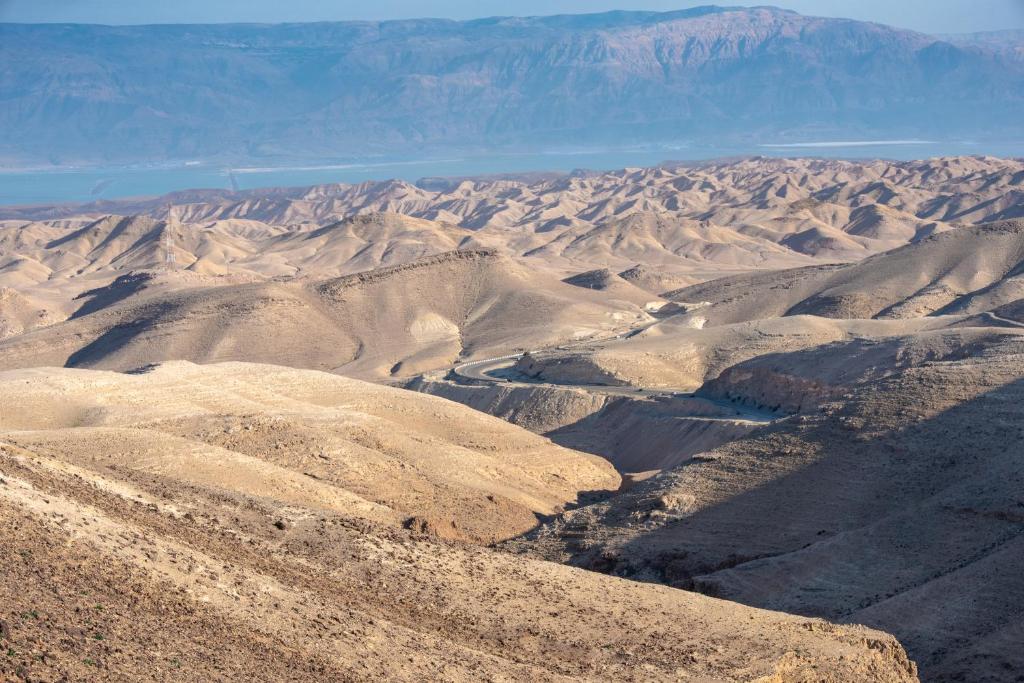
x: 19, y: 187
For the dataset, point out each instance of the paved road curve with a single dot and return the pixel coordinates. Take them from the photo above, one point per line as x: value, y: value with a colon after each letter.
x: 483, y: 371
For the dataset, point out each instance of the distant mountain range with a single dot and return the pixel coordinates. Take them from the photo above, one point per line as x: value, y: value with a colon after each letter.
x: 116, y: 94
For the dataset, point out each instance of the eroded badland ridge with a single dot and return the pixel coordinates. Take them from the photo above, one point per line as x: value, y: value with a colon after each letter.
x: 749, y: 420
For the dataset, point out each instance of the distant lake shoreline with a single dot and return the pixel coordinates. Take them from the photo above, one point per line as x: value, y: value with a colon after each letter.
x: 87, y: 184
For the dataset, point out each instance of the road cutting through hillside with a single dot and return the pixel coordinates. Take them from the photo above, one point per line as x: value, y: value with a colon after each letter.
x: 486, y: 371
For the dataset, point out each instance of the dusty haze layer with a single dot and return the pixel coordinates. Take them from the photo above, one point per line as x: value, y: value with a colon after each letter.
x: 330, y: 90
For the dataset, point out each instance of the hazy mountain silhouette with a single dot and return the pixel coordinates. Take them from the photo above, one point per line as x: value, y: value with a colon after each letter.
x: 234, y: 91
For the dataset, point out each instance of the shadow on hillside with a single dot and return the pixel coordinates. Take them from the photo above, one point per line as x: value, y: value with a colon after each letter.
x: 640, y: 436
x: 117, y: 291
x: 110, y: 342
x: 917, y: 529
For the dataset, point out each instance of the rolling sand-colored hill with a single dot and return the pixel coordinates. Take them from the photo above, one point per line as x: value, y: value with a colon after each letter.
x: 19, y: 313
x: 968, y: 270
x: 971, y: 276
x: 735, y: 215
x: 314, y: 439
x: 615, y: 287
x: 673, y: 353
x: 243, y: 521
x: 386, y: 322
x: 55, y: 261
x: 662, y: 228
x: 655, y: 280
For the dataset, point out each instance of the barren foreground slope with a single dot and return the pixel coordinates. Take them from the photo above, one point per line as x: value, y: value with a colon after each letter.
x: 223, y: 522
x: 307, y: 438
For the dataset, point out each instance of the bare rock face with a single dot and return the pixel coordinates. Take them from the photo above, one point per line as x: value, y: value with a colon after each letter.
x: 654, y: 280
x: 594, y: 279
x: 566, y: 369
x: 540, y: 408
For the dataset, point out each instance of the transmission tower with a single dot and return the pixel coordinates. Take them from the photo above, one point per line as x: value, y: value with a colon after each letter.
x: 166, y: 241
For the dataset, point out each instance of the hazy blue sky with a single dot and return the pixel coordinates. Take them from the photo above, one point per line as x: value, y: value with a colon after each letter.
x: 936, y: 16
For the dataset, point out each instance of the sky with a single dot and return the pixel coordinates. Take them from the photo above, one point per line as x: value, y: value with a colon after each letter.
x: 929, y: 16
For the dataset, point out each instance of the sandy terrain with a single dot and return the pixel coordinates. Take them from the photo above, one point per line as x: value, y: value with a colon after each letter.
x: 389, y: 322
x: 789, y: 384
x: 222, y: 522
x: 664, y: 228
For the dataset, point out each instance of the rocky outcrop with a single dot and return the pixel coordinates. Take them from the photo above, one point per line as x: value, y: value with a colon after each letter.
x: 576, y: 368
x: 540, y: 409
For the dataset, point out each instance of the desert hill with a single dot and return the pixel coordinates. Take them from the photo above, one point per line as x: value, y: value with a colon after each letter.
x: 20, y: 313
x: 386, y: 322
x: 674, y: 353
x: 153, y: 529
x: 750, y: 213
x: 666, y: 227
x: 63, y: 258
x: 319, y: 440
x: 615, y: 287
x: 48, y: 271
x: 655, y: 280
x: 968, y: 270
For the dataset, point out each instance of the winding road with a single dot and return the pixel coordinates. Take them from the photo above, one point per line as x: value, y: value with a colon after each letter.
x: 485, y: 371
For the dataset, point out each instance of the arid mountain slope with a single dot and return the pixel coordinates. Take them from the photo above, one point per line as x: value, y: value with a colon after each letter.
x: 202, y: 554
x: 55, y: 261
x: 900, y: 477
x: 968, y: 270
x: 386, y: 322
x: 755, y: 212
x: 662, y: 228
x: 315, y: 439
